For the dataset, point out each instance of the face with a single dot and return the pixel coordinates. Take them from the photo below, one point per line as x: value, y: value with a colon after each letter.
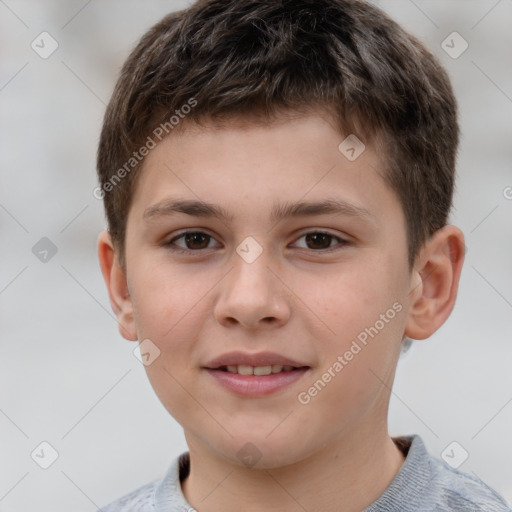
x: 251, y: 246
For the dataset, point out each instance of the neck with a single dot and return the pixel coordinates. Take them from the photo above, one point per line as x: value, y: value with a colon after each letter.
x: 346, y: 476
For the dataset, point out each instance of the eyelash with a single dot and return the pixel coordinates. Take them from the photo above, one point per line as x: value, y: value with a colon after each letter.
x: 341, y: 242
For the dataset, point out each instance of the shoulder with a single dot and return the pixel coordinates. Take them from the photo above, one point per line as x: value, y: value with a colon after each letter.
x: 459, y: 491
x: 164, y: 494
x: 427, y: 484
x: 139, y: 500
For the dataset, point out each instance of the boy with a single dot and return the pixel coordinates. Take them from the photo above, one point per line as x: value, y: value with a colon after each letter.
x: 277, y: 178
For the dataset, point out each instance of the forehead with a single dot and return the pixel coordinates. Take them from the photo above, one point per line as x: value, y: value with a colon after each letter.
x: 241, y: 162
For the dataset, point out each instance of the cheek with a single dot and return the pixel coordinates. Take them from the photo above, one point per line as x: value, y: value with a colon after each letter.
x: 352, y: 300
x: 365, y: 314
x: 164, y: 299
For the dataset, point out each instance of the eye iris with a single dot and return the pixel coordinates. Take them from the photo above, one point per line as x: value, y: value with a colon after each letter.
x: 321, y: 240
x: 193, y: 240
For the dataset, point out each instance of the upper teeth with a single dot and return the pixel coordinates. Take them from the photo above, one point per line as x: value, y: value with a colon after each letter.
x: 243, y: 369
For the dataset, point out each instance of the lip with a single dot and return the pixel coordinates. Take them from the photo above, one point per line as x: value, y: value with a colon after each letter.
x: 236, y: 358
x: 254, y: 385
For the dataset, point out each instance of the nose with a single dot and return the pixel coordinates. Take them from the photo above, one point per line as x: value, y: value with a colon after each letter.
x: 252, y: 296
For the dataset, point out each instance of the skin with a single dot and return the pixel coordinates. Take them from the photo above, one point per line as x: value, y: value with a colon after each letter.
x: 296, y: 298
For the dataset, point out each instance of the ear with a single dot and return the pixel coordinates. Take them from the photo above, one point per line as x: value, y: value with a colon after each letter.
x: 434, y: 282
x: 117, y: 286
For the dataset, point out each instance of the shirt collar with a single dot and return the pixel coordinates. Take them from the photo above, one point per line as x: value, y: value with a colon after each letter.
x: 410, y: 483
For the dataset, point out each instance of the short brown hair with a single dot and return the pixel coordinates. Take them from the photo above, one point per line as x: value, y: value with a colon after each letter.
x: 224, y: 58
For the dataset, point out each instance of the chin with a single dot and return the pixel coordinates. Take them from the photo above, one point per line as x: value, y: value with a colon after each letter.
x: 255, y: 450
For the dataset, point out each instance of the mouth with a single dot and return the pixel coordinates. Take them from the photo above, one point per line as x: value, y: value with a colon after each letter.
x: 273, y: 369
x: 255, y: 375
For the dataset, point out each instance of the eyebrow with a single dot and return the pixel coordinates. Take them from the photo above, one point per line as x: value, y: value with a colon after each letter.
x: 279, y: 211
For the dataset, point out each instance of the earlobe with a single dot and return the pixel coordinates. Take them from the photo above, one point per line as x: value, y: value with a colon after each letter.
x: 435, y: 282
x: 117, y: 286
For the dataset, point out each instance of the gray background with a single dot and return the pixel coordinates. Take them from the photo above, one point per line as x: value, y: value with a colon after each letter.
x: 66, y: 375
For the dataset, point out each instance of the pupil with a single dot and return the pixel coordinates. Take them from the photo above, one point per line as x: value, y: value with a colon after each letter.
x: 321, y: 240
x: 197, y: 240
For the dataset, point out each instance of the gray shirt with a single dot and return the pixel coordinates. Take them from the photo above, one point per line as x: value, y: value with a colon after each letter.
x: 423, y: 484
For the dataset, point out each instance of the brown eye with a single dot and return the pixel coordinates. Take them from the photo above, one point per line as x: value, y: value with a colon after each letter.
x: 318, y: 240
x: 192, y: 241
x: 197, y: 240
